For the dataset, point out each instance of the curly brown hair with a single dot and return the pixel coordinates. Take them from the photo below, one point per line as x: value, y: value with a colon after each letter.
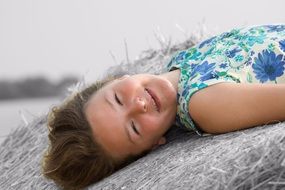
x: 74, y: 159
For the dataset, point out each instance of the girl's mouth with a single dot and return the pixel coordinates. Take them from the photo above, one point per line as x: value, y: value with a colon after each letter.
x: 155, y: 99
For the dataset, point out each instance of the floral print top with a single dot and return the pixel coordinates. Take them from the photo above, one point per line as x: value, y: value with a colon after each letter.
x: 245, y: 55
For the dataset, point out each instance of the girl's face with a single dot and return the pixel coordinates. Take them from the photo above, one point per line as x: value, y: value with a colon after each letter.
x: 125, y: 118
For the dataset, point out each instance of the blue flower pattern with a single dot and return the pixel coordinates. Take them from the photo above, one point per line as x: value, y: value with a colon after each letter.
x: 268, y: 66
x: 282, y: 45
x: 246, y: 55
x: 232, y: 53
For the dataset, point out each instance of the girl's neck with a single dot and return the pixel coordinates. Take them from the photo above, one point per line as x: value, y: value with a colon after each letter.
x: 172, y: 77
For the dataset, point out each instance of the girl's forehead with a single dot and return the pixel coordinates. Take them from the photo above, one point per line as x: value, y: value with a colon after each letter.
x: 111, y: 82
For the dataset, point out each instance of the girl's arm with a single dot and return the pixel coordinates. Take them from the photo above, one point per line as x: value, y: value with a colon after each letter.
x: 226, y: 107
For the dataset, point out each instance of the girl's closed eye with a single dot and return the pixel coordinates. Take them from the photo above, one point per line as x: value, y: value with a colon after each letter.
x: 134, y: 128
x: 118, y: 100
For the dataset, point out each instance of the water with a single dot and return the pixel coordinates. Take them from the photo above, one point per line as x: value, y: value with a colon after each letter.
x: 16, y: 112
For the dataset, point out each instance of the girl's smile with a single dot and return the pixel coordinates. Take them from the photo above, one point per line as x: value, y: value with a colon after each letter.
x: 154, y: 99
x: 131, y: 114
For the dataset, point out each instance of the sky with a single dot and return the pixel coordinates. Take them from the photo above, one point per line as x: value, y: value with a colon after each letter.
x: 56, y: 38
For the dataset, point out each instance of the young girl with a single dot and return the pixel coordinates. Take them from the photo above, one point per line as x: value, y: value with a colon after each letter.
x: 229, y: 82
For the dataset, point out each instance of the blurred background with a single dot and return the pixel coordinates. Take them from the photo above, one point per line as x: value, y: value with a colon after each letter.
x: 46, y: 46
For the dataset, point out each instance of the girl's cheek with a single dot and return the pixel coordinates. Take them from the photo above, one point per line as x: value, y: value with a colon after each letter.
x: 153, y: 125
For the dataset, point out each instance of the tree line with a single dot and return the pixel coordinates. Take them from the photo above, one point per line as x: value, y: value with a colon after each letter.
x: 34, y: 88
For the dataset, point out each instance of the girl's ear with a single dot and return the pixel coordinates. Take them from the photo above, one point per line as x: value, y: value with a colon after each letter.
x: 161, y: 141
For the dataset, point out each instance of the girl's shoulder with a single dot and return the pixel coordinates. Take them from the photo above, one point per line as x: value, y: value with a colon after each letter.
x: 244, y: 37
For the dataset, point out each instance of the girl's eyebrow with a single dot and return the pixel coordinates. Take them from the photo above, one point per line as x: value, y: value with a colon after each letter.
x: 108, y: 101
x: 129, y: 136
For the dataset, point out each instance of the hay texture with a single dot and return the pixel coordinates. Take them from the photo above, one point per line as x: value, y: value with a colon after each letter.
x: 248, y: 159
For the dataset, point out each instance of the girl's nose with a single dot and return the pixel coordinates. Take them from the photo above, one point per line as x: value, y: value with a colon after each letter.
x: 140, y: 105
